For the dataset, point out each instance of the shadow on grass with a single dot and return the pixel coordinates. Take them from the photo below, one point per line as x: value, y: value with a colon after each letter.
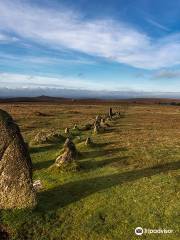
x: 100, y: 153
x: 90, y: 164
x: 40, y: 165
x: 46, y: 148
x: 95, y: 144
x: 110, y: 129
x: 75, y: 191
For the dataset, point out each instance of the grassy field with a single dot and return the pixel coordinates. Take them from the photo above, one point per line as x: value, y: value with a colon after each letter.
x: 129, y: 178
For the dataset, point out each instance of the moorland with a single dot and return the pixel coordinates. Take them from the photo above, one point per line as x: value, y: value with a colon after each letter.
x: 127, y: 178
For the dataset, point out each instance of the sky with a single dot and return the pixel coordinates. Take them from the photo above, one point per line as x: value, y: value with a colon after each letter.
x: 104, y: 45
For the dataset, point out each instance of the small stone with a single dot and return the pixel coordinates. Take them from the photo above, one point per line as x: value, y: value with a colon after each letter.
x: 75, y: 127
x: 102, y: 120
x: 78, y: 137
x: 88, y: 141
x: 103, y: 123
x: 37, y: 185
x: 66, y: 130
x: 41, y: 114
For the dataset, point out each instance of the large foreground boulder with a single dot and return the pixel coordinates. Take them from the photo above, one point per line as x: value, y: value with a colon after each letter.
x: 16, y: 187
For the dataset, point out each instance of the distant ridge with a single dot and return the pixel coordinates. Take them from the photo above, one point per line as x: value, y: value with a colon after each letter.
x: 49, y: 99
x: 33, y: 99
x: 56, y: 93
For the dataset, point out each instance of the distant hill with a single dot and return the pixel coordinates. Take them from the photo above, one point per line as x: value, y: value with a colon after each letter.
x: 56, y: 94
x: 33, y: 99
x: 48, y: 99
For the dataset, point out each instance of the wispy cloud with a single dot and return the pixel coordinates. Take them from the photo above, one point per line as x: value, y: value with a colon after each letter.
x: 44, y: 60
x: 167, y: 74
x: 13, y: 80
x: 157, y: 24
x: 102, y: 38
x: 149, y: 19
x: 4, y: 38
x: 32, y: 81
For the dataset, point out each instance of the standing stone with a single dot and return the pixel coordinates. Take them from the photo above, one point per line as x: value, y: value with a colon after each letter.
x: 69, y: 155
x: 102, y: 123
x: 102, y: 120
x: 75, y: 127
x: 97, y: 121
x: 88, y: 141
x: 96, y: 129
x: 98, y: 118
x: 110, y: 112
x: 66, y: 130
x: 16, y: 186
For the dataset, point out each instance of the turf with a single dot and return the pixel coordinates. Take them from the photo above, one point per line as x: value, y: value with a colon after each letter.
x: 127, y: 178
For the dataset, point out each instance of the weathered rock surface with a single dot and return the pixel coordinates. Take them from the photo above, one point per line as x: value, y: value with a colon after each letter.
x: 16, y: 187
x: 69, y: 155
x: 37, y: 185
x: 96, y: 129
x: 44, y: 137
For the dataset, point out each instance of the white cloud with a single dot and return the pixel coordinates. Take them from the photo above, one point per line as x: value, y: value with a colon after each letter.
x: 16, y: 80
x: 13, y: 80
x: 103, y: 38
x: 4, y: 38
x: 25, y: 81
x: 44, y: 60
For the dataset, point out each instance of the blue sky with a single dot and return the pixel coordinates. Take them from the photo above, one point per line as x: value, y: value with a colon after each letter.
x: 122, y: 45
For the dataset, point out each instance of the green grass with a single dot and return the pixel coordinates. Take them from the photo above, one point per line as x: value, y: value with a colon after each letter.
x: 127, y: 178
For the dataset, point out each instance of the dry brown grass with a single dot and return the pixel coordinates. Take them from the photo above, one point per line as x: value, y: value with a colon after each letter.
x: 128, y: 179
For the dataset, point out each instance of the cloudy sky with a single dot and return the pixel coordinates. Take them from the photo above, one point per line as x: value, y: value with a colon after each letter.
x: 116, y: 45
